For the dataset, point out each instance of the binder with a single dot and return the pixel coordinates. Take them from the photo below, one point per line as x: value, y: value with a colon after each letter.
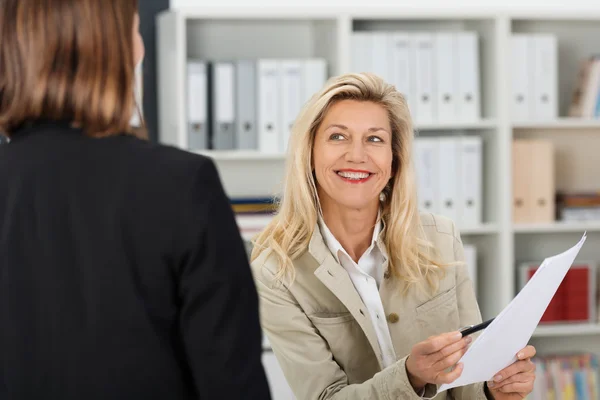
x: 361, y: 52
x: 448, y: 177
x: 291, y: 97
x: 471, y: 174
x: 246, y: 135
x: 470, y: 252
x: 542, y: 186
x: 446, y: 73
x: 521, y: 173
x: 380, y: 55
x: 402, y: 69
x: 269, y: 105
x: 222, y: 105
x: 521, y: 78
x: 424, y: 112
x: 545, y: 76
x: 314, y: 77
x: 426, y: 169
x: 197, y: 105
x: 469, y: 100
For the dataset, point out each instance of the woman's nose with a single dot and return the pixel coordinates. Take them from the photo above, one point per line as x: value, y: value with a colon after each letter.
x: 357, y: 152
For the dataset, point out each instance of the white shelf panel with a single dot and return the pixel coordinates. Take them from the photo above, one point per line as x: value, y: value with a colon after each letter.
x: 591, y: 226
x: 258, y: 13
x: 240, y: 155
x: 562, y: 123
x: 483, y: 124
x: 251, y: 227
x: 483, y: 229
x: 567, y: 330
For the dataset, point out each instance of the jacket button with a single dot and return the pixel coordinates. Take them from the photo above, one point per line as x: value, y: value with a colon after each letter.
x: 393, y: 318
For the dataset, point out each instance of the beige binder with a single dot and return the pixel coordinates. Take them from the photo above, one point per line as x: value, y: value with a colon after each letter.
x: 533, y: 181
x: 521, y: 173
x: 543, y: 182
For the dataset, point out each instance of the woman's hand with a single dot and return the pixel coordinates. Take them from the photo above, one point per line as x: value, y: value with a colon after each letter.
x: 516, y: 380
x: 429, y: 360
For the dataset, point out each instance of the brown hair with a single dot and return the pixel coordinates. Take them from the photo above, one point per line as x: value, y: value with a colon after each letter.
x: 70, y: 61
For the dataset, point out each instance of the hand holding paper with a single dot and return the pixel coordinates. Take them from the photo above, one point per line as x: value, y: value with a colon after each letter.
x: 515, y: 381
x: 511, y: 330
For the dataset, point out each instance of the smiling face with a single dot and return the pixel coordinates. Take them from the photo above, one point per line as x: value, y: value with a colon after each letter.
x: 352, y: 155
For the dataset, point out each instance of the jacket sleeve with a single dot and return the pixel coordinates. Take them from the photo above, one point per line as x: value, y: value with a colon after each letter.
x: 218, y: 314
x: 469, y: 314
x: 306, y: 361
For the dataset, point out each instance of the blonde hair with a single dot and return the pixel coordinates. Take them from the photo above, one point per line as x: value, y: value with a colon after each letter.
x: 288, y: 235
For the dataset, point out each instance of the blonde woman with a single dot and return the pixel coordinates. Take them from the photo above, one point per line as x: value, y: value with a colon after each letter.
x: 361, y: 296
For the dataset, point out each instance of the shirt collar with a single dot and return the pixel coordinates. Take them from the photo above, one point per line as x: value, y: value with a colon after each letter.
x: 334, y: 245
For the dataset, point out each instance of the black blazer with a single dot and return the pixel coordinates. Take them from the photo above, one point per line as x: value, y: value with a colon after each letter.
x: 122, y: 274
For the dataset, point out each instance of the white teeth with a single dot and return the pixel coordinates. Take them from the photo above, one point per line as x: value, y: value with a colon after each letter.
x: 353, y: 175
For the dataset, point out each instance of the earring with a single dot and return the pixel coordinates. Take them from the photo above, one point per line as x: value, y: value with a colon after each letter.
x: 382, y: 197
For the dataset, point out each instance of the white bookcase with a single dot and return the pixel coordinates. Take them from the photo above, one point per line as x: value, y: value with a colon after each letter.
x: 230, y: 33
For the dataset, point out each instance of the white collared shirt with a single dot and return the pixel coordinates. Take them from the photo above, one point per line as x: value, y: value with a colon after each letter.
x: 366, y: 277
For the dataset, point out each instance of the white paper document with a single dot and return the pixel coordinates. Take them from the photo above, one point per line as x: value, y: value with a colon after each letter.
x: 497, y: 346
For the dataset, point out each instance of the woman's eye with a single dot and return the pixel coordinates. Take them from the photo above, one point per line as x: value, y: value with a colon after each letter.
x: 336, y: 136
x: 375, y: 139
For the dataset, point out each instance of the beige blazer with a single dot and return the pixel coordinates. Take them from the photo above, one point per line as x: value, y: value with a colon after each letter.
x: 324, y: 340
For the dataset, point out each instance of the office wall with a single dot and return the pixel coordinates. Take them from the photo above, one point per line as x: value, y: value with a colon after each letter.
x: 571, y: 5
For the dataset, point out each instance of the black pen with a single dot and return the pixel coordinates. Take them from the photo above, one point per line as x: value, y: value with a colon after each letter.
x: 475, y: 328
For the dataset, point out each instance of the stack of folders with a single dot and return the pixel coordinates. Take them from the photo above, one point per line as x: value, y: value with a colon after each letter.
x: 534, y: 63
x: 248, y: 104
x: 449, y: 177
x: 576, y: 297
x: 533, y: 181
x: 585, y: 102
x: 438, y: 72
x: 573, y: 377
x: 253, y: 214
x: 578, y: 206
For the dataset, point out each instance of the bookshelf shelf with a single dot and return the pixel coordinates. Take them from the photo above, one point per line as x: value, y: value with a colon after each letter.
x: 567, y: 330
x: 592, y: 226
x: 476, y: 125
x: 483, y: 229
x: 241, y: 155
x: 562, y: 123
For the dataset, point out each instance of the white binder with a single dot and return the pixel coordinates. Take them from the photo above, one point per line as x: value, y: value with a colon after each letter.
x: 402, y: 66
x: 223, y: 106
x: 380, y: 55
x: 446, y: 77
x: 314, y: 77
x: 269, y: 105
x: 520, y: 78
x: 545, y: 76
x: 361, y: 52
x: 470, y: 252
x: 246, y: 137
x: 470, y: 190
x: 424, y: 112
x: 448, y: 177
x: 469, y: 99
x: 426, y: 170
x: 292, y: 72
x: 197, y: 105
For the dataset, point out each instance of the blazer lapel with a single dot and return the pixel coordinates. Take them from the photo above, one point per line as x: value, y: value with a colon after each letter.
x: 337, y: 280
